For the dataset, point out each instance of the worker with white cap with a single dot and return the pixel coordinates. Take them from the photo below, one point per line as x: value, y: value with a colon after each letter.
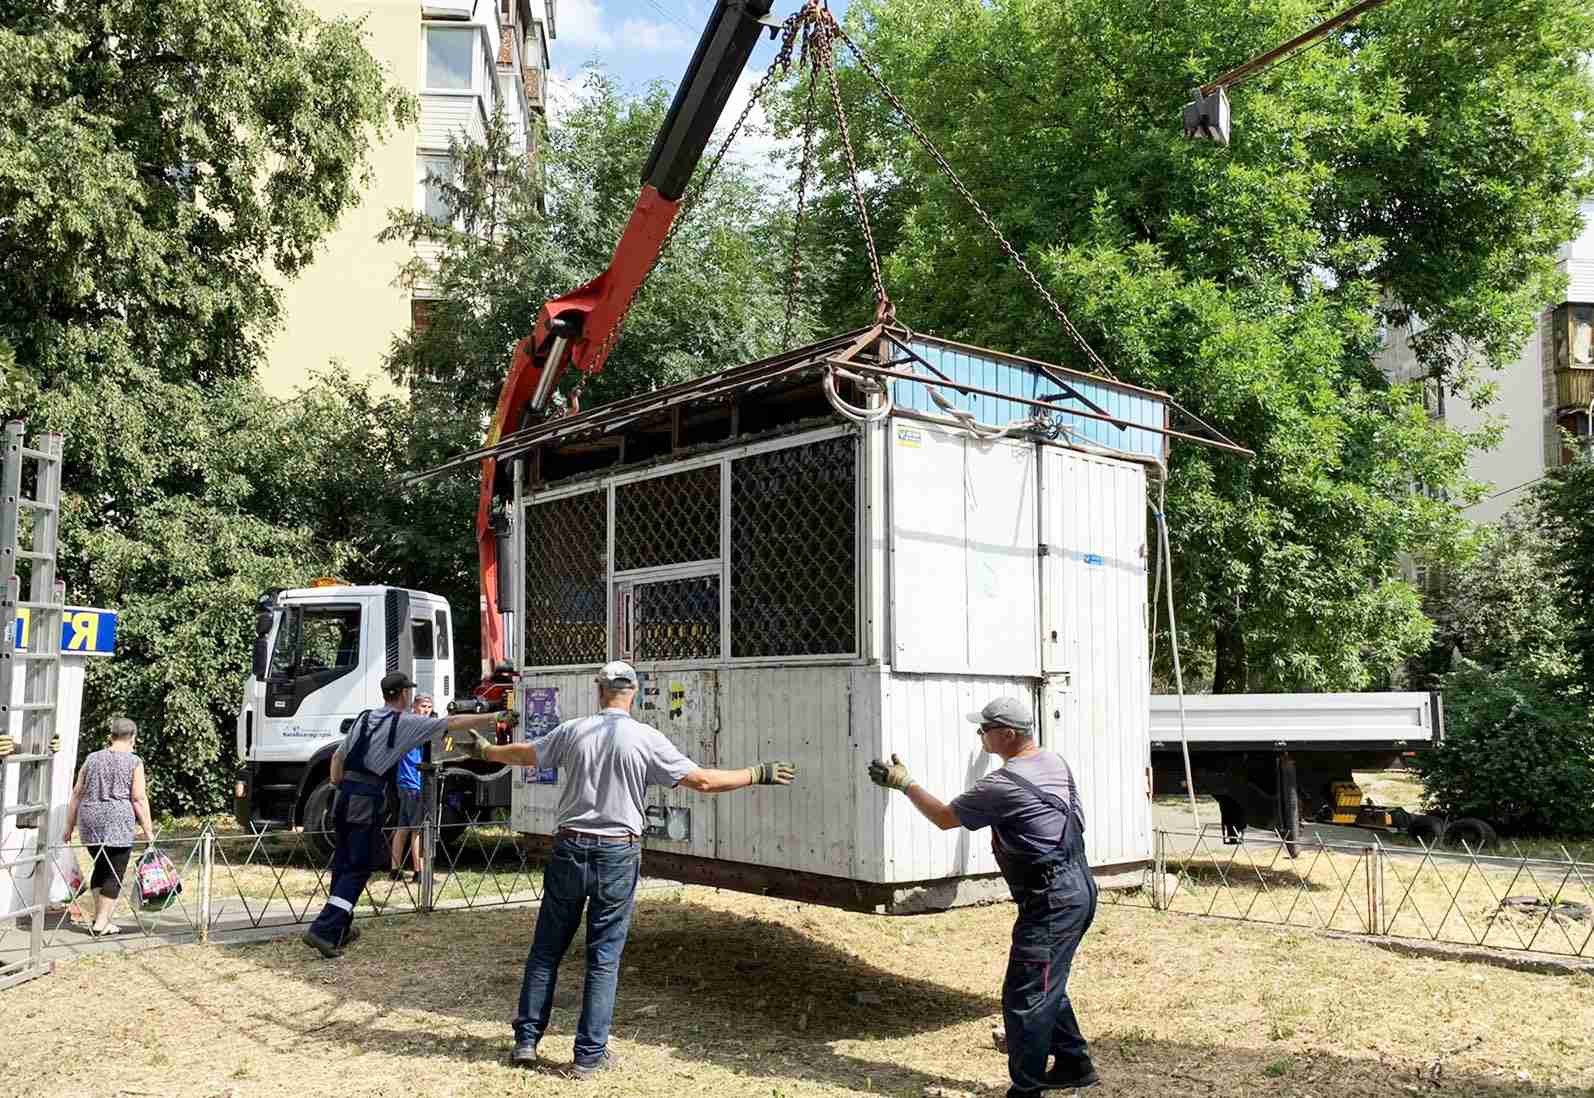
x: 605, y: 764
x: 1031, y: 804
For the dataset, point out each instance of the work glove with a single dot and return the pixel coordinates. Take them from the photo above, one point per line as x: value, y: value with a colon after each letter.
x: 7, y: 745
x: 473, y: 744
x: 774, y: 773
x: 892, y: 775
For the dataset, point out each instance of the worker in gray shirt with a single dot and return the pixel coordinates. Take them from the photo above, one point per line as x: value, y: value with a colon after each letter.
x: 605, y: 762
x: 1031, y: 804
x: 362, y: 769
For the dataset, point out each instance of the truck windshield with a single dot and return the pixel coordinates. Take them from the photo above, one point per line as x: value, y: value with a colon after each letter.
x: 316, y: 638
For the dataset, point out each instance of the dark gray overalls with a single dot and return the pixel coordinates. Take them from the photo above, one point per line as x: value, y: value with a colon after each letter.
x: 357, y: 823
x: 1056, y: 898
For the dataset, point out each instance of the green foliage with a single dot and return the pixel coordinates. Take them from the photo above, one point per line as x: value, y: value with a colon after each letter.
x: 1517, y: 752
x: 162, y: 162
x: 1392, y: 164
x: 1567, y: 502
x: 520, y: 237
x: 1503, y: 607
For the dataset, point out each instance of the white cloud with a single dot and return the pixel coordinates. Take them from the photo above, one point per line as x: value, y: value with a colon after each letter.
x: 647, y: 36
x: 581, y: 26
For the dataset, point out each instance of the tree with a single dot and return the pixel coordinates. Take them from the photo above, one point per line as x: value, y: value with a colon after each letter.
x: 1426, y: 160
x: 1566, y: 502
x: 162, y: 164
x: 1503, y: 608
x: 519, y: 236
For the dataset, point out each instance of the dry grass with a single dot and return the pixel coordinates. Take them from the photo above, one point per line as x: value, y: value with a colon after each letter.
x: 729, y: 995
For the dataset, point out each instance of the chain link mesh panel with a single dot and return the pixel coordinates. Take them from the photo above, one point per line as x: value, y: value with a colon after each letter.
x: 672, y: 519
x: 567, y: 581
x: 794, y: 550
x: 677, y: 619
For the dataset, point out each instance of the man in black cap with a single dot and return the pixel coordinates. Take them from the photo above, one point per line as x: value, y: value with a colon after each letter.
x: 362, y: 769
x: 1031, y: 805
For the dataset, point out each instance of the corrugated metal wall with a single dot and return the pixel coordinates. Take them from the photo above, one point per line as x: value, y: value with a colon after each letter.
x: 1097, y: 694
x: 1018, y: 379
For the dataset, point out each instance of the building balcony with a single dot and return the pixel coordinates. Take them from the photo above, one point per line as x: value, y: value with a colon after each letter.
x: 1574, y: 388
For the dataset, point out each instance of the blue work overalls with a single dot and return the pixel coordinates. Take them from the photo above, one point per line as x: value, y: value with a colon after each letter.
x: 357, y: 823
x: 1056, y: 898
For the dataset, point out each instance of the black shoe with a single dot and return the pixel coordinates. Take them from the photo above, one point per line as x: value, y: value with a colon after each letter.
x: 415, y: 877
x: 606, y: 1062
x: 524, y: 1054
x: 327, y: 949
x: 1055, y: 1079
x: 395, y: 874
x: 350, y: 936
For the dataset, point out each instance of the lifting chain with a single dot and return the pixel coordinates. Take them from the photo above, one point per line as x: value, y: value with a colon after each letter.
x: 794, y: 274
x: 824, y: 33
x: 957, y: 182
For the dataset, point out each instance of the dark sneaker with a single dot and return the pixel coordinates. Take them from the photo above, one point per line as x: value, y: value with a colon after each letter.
x: 395, y: 874
x: 606, y: 1062
x: 329, y: 950
x: 1057, y: 1080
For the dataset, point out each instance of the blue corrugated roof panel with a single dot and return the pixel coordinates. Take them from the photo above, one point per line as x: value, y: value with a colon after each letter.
x: 1018, y: 378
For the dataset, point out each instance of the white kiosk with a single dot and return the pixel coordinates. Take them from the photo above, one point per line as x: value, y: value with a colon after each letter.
x: 86, y: 633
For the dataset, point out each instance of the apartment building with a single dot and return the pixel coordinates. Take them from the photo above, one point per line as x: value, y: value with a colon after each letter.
x: 462, y: 60
x: 1547, y: 389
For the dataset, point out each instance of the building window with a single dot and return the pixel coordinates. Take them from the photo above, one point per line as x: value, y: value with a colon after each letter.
x: 449, y: 58
x: 1574, y: 336
x: 1433, y: 397
x: 436, y: 173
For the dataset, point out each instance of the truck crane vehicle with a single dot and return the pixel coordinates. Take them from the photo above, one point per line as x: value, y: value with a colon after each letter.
x: 321, y: 651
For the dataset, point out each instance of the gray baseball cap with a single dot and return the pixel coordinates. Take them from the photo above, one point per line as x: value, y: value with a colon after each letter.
x: 1011, y: 713
x: 617, y: 674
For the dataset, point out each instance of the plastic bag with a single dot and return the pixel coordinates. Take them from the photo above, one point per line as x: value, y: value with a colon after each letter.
x: 158, y: 885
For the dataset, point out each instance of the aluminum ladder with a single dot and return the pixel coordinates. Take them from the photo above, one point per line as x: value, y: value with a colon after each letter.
x: 25, y: 775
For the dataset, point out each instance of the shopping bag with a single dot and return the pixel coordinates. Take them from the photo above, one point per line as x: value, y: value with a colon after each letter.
x: 67, y: 872
x: 158, y: 885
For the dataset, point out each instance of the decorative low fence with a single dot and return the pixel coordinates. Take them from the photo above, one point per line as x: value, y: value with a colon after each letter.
x: 233, y: 882
x: 1492, y: 899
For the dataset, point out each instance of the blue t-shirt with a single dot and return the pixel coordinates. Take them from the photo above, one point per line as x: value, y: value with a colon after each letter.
x: 408, y: 774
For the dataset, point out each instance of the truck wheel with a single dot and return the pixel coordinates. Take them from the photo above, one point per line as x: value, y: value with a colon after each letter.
x: 317, y: 822
x: 1471, y: 834
x: 1426, y: 829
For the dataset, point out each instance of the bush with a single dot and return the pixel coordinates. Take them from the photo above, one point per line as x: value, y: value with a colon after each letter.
x: 1516, y: 752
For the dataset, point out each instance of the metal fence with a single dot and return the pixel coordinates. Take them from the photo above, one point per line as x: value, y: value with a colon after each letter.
x: 233, y: 882
x: 1490, y: 899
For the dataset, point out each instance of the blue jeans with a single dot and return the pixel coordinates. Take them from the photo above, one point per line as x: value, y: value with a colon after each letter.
x: 601, y: 877
x: 1036, y: 1009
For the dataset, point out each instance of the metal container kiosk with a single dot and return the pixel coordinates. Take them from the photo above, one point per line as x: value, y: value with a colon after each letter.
x: 794, y: 584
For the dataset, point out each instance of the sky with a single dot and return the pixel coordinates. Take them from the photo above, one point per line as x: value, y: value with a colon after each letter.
x: 639, y: 41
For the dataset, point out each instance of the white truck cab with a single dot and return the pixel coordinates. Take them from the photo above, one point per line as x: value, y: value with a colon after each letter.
x: 320, y: 654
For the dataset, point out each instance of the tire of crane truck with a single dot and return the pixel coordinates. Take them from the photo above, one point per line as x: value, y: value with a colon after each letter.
x: 317, y: 822
x: 1427, y: 830
x: 1470, y: 834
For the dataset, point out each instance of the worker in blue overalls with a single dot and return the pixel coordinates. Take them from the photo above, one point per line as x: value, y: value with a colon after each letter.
x: 362, y: 769
x: 1031, y: 805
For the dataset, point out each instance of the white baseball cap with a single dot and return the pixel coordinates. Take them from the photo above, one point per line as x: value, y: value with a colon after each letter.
x: 617, y: 673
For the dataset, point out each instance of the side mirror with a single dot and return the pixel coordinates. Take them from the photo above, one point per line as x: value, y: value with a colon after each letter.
x: 262, y: 658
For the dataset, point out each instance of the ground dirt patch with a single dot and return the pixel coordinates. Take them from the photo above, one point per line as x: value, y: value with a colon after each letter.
x: 728, y: 995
